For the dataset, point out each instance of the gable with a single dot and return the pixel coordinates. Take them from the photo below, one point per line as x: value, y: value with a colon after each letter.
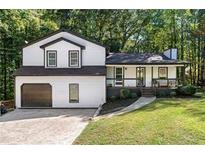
x: 33, y: 53
x: 70, y: 35
x: 61, y: 39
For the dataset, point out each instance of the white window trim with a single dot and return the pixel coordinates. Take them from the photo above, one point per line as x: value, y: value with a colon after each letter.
x: 70, y: 100
x: 70, y: 52
x: 122, y: 77
x: 48, y: 58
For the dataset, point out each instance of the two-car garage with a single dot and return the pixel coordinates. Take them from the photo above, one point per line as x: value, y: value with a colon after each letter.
x: 36, y: 95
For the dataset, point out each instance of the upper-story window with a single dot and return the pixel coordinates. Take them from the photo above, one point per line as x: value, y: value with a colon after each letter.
x: 73, y: 58
x: 51, y: 58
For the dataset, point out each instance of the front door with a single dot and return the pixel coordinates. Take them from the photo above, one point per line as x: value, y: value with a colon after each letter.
x: 140, y: 76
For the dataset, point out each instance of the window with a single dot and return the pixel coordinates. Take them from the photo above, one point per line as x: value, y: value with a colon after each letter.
x: 118, y: 75
x: 73, y: 93
x: 51, y: 58
x: 163, y: 73
x: 74, y: 56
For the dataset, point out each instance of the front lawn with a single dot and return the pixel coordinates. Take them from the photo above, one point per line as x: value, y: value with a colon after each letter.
x: 165, y: 121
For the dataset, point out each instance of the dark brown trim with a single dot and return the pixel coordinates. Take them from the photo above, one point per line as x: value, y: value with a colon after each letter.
x: 42, y: 71
x: 179, y: 63
x: 63, y: 30
x: 61, y: 39
x: 69, y: 62
x: 71, y: 101
x: 47, y: 51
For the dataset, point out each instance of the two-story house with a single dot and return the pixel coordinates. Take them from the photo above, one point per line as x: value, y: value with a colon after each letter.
x: 61, y: 70
x: 66, y: 70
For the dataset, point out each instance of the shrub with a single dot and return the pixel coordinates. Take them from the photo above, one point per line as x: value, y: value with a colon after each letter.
x: 173, y: 94
x: 124, y: 93
x: 162, y: 93
x: 3, y: 109
x: 187, y: 90
x: 113, y: 98
x: 133, y: 95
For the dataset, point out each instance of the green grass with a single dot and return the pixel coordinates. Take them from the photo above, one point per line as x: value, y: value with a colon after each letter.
x: 165, y: 121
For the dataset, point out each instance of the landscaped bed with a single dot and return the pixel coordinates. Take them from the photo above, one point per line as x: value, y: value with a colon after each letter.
x: 165, y: 121
x: 116, y: 105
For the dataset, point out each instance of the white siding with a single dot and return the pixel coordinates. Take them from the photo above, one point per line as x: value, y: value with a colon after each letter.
x: 130, y: 72
x: 172, y: 72
x: 91, y: 90
x: 94, y: 54
x: 62, y: 49
x: 155, y: 72
x: 148, y: 76
x: 110, y: 74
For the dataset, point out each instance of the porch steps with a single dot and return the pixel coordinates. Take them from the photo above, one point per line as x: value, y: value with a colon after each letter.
x: 148, y: 92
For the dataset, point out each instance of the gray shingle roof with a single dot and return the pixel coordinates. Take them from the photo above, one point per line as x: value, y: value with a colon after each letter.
x: 139, y: 58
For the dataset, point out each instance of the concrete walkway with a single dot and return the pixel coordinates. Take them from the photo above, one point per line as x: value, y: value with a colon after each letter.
x: 142, y: 101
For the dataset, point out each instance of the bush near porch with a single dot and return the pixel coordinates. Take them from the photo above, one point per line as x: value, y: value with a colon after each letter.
x: 165, y: 121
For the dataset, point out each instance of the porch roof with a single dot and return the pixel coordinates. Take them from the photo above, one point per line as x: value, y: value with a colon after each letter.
x: 42, y: 71
x: 140, y: 58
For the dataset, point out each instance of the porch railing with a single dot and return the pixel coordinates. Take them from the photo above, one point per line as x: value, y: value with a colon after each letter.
x: 133, y: 82
x: 165, y: 82
x: 126, y: 82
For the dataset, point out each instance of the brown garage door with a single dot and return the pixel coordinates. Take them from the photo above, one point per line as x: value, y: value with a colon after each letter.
x: 36, y: 95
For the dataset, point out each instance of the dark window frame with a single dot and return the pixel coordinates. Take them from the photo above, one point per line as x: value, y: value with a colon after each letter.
x: 47, y: 57
x: 166, y: 72
x: 119, y: 83
x: 69, y: 58
x: 73, y: 101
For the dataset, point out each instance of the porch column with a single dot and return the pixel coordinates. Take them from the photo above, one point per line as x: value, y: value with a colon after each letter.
x: 148, y: 76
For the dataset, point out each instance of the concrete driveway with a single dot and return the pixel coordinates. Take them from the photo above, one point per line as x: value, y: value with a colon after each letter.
x: 43, y: 126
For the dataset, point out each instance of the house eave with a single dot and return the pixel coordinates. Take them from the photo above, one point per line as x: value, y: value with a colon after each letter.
x: 147, y: 64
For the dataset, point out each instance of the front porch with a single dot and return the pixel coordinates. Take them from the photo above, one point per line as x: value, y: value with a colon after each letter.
x: 144, y: 76
x: 143, y: 79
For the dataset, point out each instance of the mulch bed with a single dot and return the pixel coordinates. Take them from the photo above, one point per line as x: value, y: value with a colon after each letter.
x: 116, y: 105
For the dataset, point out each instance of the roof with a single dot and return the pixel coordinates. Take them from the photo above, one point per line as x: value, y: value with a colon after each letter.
x: 139, y: 58
x: 42, y: 71
x: 63, y: 30
x: 61, y: 39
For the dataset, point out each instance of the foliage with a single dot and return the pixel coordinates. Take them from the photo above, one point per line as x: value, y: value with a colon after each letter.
x: 187, y: 90
x: 120, y: 30
x: 2, y: 109
x: 113, y: 98
x: 133, y: 95
x: 124, y: 93
x: 162, y: 93
x: 173, y: 94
